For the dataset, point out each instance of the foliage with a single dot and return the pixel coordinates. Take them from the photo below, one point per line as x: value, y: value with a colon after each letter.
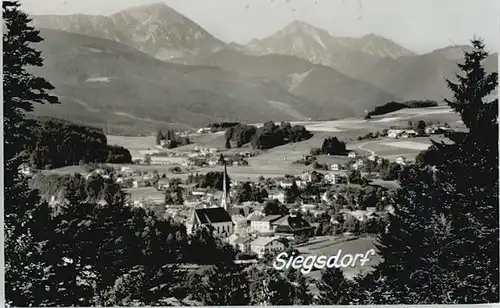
x: 274, y: 207
x: 332, y: 146
x: 354, y: 177
x: 394, y: 106
x: 334, y: 288
x: 224, y: 285
x: 271, y: 135
x: 442, y: 242
x: 248, y: 192
x: 60, y: 143
x: 212, y: 179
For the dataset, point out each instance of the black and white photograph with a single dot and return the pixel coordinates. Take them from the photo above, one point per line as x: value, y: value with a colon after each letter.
x: 249, y: 153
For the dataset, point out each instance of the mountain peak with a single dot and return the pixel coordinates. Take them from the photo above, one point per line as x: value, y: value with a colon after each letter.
x: 299, y: 25
x: 153, y: 9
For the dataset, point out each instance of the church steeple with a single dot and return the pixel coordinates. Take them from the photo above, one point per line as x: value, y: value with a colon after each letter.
x: 224, y: 202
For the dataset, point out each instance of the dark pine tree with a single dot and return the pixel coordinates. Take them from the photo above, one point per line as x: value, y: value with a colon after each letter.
x: 28, y: 225
x: 442, y: 242
x: 333, y: 288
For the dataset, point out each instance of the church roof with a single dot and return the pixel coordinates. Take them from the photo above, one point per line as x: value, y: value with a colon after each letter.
x: 212, y: 215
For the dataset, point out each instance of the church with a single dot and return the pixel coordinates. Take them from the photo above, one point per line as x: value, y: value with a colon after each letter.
x: 218, y: 217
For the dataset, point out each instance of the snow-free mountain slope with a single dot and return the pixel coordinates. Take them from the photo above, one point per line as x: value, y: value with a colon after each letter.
x: 155, y: 29
x: 105, y: 81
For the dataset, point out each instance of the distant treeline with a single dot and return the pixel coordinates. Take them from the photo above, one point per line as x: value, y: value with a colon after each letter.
x: 222, y: 125
x: 394, y: 106
x: 173, y: 140
x: 268, y: 136
x: 57, y: 143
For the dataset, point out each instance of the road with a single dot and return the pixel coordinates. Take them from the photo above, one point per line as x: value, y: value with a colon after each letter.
x: 361, y: 147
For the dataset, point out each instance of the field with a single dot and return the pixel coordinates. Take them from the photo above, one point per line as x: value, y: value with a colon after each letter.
x: 280, y: 160
x: 145, y: 193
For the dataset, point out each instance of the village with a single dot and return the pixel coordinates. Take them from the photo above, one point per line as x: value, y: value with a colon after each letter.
x: 334, y: 199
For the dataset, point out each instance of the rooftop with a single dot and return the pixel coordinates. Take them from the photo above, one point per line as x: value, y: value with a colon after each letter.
x: 213, y: 215
x: 263, y: 241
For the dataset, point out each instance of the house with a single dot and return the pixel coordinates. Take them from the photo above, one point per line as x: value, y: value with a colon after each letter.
x: 394, y: 133
x: 199, y: 192
x: 292, y: 225
x: 306, y: 176
x: 286, y: 183
x: 166, y: 143
x: 276, y: 194
x: 254, y: 216
x: 308, y: 208
x: 335, y: 167
x: 352, y: 154
x: 124, y: 182
x: 217, y: 217
x: 264, y: 224
x: 360, y: 162
x: 242, y: 243
x: 240, y: 223
x: 263, y: 245
x: 214, y: 161
x: 301, y: 183
x: 411, y: 133
x: 358, y: 214
x: 25, y: 170
x: 401, y: 160
x: 332, y: 178
x: 163, y: 184
x: 203, y: 130
x: 372, y: 157
x: 125, y: 169
x: 213, y: 150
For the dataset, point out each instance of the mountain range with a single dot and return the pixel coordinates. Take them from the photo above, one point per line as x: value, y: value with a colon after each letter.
x: 151, y: 66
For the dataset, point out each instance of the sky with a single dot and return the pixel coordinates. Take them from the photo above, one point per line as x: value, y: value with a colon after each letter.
x: 419, y: 25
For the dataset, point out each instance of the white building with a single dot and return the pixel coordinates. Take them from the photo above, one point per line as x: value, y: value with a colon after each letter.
x: 286, y: 183
x: 335, y: 167
x: 278, y: 195
x: 332, y: 178
x: 261, y: 245
x: 352, y: 154
x: 163, y: 184
x: 264, y: 224
x: 394, y: 133
x: 401, y: 160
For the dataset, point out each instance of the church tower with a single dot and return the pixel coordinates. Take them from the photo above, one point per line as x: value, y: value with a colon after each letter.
x: 224, y: 200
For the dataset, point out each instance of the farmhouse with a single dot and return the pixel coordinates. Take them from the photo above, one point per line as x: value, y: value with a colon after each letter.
x: 261, y: 245
x: 394, y: 133
x: 217, y: 217
x: 332, y: 178
x: 292, y: 225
